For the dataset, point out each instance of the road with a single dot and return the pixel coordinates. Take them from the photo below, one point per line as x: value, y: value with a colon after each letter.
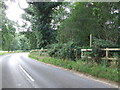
x: 20, y: 71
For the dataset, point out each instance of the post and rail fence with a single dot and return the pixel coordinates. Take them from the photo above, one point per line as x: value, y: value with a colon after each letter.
x: 83, y: 51
x: 107, y: 51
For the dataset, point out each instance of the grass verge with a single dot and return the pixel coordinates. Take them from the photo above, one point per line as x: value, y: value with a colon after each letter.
x: 80, y: 66
x: 3, y: 53
x: 17, y: 51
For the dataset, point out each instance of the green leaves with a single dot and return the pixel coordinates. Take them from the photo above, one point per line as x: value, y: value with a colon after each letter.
x: 50, y: 19
x: 103, y: 43
x: 8, y: 33
x: 68, y: 50
x: 78, y: 26
x: 40, y: 19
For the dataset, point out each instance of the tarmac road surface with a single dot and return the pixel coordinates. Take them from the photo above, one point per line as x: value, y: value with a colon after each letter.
x: 20, y: 71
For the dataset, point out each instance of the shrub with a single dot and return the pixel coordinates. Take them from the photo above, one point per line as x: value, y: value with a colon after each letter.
x: 97, y: 53
x: 103, y: 43
x: 68, y: 50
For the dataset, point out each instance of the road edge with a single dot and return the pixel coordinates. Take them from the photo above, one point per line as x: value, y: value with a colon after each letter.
x: 101, y: 80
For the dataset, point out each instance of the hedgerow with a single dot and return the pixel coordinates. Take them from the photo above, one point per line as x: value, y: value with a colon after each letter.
x: 70, y: 51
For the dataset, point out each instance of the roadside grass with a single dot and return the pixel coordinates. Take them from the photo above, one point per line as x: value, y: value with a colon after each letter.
x: 17, y: 51
x: 80, y: 66
x: 3, y: 53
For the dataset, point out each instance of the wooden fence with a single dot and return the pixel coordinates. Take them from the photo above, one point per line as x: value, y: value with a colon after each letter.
x: 83, y: 51
x: 41, y: 51
x: 107, y: 50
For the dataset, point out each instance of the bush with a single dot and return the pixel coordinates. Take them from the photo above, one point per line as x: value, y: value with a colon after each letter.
x: 103, y: 43
x: 97, y: 53
x: 68, y: 50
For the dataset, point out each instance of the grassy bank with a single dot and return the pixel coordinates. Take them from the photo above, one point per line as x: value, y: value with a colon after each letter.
x: 3, y: 53
x: 80, y: 66
x: 17, y: 51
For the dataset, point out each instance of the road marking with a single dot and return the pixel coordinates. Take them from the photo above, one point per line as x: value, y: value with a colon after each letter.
x: 28, y: 75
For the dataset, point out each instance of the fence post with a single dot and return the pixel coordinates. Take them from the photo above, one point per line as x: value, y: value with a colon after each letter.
x: 107, y: 56
x: 107, y: 53
x: 76, y: 53
x: 81, y: 53
x: 90, y: 40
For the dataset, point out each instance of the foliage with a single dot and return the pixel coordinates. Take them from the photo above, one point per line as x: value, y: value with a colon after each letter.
x: 1, y: 13
x: 7, y: 30
x: 103, y: 43
x: 72, y: 22
x: 70, y: 51
x: 23, y: 42
x: 98, y: 18
x: 60, y: 13
x: 18, y: 42
x: 8, y: 33
x: 40, y: 19
x: 106, y: 15
x: 32, y: 39
x: 78, y: 26
x: 0, y: 40
x: 98, y: 44
x: 10, y: 40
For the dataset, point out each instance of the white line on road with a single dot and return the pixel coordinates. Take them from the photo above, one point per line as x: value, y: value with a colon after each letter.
x: 28, y: 75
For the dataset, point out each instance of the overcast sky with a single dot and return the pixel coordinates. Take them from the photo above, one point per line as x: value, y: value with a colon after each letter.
x: 14, y: 12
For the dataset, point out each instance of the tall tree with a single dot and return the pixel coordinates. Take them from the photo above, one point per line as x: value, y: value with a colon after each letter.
x: 41, y: 13
x: 78, y: 26
x: 1, y: 9
x: 7, y: 29
x: 98, y: 18
x: 106, y: 15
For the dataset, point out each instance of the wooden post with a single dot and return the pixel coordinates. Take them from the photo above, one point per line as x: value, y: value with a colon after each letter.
x: 90, y: 40
x: 107, y: 56
x: 76, y: 54
x: 107, y: 53
x: 81, y: 54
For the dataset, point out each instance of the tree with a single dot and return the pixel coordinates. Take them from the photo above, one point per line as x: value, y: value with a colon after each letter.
x: 15, y: 44
x: 98, y: 18
x: 1, y: 11
x: 7, y: 30
x: 60, y: 13
x: 8, y: 33
x: 24, y: 42
x: 78, y: 26
x: 106, y: 15
x: 40, y: 19
x: 32, y: 39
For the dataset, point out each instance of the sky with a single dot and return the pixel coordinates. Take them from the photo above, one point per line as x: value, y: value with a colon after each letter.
x: 14, y: 12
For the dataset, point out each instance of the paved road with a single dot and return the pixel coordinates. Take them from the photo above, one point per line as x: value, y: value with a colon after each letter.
x: 19, y: 71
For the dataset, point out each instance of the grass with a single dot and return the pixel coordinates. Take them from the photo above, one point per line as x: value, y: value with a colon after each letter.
x: 17, y: 51
x: 80, y: 66
x: 3, y: 53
